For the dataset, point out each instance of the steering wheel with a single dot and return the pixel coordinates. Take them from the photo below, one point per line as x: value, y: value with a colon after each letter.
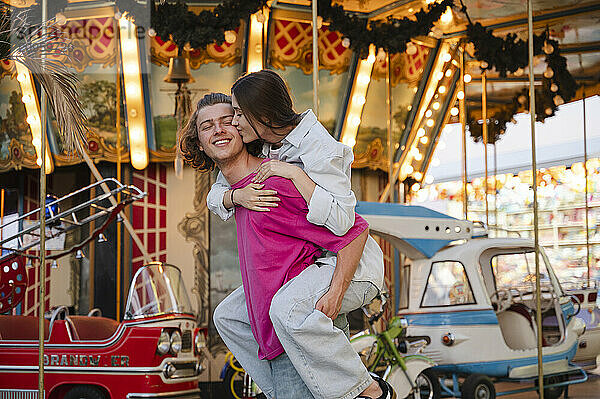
x: 502, y: 298
x: 546, y: 303
x: 96, y: 312
x: 577, y: 301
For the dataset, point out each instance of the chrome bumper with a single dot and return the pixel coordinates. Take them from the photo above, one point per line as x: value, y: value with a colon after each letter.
x: 189, y: 394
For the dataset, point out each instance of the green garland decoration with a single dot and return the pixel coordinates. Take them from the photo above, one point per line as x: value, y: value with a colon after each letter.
x: 173, y: 19
x: 509, y: 54
x: 391, y: 35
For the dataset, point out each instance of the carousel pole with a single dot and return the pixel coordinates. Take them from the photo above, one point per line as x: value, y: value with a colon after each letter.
x: 463, y: 124
x: 315, y: 58
x: 118, y: 126
x: 42, y: 271
x: 538, y: 296
x: 484, y: 129
x: 495, y: 187
x: 587, y: 225
x: 388, y: 109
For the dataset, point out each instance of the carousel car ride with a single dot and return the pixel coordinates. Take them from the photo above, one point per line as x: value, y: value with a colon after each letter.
x: 157, y: 351
x: 474, y: 299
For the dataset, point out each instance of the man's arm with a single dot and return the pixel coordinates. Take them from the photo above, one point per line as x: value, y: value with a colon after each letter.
x: 347, y: 262
x: 214, y: 199
x: 332, y: 202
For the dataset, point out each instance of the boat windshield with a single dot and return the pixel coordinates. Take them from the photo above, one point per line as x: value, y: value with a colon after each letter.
x: 157, y: 289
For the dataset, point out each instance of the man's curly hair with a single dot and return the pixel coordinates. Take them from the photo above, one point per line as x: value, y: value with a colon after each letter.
x: 189, y: 144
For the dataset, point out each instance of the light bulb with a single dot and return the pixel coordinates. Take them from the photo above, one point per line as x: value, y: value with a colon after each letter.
x: 424, y: 139
x: 460, y: 95
x: 439, y: 75
x: 346, y: 42
x: 442, y: 89
x: 418, y: 156
x: 448, y: 73
x: 418, y: 175
x: 360, y: 100
x: 454, y: 111
x: 430, y: 122
x: 428, y: 113
x: 548, y: 73
x: 230, y: 36
x: 467, y: 78
x: 416, y: 187
x: 435, y: 105
x: 411, y: 49
x: 420, y: 132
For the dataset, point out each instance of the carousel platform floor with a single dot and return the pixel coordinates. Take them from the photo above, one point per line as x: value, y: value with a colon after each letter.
x: 587, y: 390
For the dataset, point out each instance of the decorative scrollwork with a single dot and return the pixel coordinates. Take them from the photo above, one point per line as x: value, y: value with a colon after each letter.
x: 374, y: 157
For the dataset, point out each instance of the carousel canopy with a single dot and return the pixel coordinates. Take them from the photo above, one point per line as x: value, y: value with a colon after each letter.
x: 391, y: 106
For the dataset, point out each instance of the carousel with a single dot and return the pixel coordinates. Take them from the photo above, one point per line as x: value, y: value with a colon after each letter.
x: 428, y: 93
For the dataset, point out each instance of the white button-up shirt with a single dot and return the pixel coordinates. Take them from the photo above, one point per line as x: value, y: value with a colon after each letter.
x: 328, y: 163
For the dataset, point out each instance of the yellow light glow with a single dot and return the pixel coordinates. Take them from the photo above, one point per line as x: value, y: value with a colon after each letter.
x: 442, y: 89
x: 255, y: 40
x: 360, y: 100
x: 467, y: 78
x: 428, y: 113
x: 439, y: 75
x: 430, y: 122
x: 416, y: 187
x: 364, y: 79
x: 460, y: 95
x: 32, y: 110
x: 446, y: 57
x: 357, y: 99
x: 447, y: 16
x: 448, y: 72
x: 436, y: 105
x: 418, y: 156
x: 418, y: 175
x: 424, y: 139
x: 408, y: 169
x: 420, y: 132
x: 454, y: 111
x: 132, y: 79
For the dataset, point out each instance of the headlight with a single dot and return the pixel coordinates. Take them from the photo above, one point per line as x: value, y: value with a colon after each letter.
x: 199, y: 341
x: 403, y: 323
x: 164, y: 343
x: 175, y: 342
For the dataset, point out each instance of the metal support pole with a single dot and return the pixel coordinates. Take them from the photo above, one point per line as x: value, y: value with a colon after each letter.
x: 118, y: 243
x: 42, y: 270
x: 587, y: 225
x: 495, y: 187
x: 484, y: 129
x: 315, y: 58
x: 463, y: 124
x: 535, y: 203
x: 388, y: 109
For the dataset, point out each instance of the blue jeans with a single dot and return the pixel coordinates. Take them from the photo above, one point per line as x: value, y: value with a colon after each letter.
x: 287, y: 383
x: 321, y: 353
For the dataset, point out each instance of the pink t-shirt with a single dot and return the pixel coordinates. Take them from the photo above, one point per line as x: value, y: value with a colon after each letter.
x: 274, y: 247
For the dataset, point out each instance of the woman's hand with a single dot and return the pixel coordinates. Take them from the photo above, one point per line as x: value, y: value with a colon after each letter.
x: 253, y: 198
x: 276, y: 168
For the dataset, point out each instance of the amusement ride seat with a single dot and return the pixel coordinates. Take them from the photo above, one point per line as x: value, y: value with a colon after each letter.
x: 517, y: 327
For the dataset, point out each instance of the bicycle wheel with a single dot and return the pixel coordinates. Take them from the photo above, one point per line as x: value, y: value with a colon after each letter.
x: 366, y: 347
x: 428, y: 385
x: 238, y: 385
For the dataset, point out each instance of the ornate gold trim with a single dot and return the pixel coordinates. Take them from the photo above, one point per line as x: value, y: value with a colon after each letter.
x: 373, y: 158
x: 194, y: 227
x: 17, y: 157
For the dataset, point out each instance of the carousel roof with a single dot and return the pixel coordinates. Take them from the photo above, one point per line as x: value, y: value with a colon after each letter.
x: 418, y: 109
